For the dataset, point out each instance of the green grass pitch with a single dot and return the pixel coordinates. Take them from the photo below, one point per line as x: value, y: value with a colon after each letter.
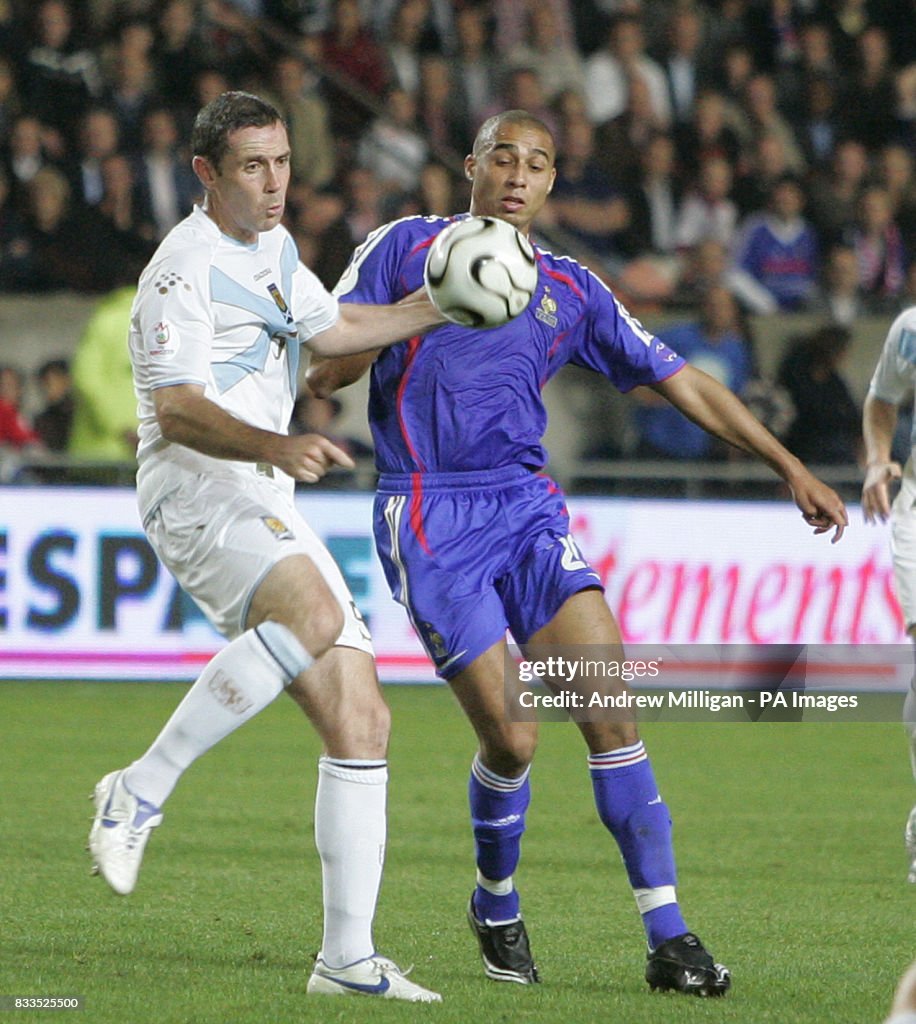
x: 789, y: 841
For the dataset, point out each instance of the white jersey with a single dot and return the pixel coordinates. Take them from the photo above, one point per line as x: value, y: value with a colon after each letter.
x: 895, y: 375
x: 229, y: 316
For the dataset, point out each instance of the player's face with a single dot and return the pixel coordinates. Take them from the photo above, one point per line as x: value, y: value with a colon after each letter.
x: 512, y: 175
x: 246, y: 194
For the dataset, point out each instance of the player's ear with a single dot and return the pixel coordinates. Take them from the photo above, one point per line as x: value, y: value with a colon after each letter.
x: 469, y: 164
x: 204, y: 170
x: 553, y: 178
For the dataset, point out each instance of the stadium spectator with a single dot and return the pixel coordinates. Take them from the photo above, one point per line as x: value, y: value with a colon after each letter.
x: 14, y: 247
x: 179, y: 56
x: 655, y: 200
x: 819, y: 122
x: 522, y: 90
x: 878, y: 244
x: 760, y: 170
x: 54, y: 421
x: 322, y: 235
x: 60, y: 75
x: 477, y: 67
x: 764, y: 118
x: 294, y: 93
x: 314, y: 415
x: 24, y: 156
x: 129, y: 225
x: 443, y: 113
x: 349, y: 48
x: 484, y: 545
x: 131, y: 95
x: 9, y: 97
x: 870, y: 97
x: 620, y: 141
x: 164, y: 182
x: 716, y: 344
x: 778, y: 249
x: 215, y: 486
x: 682, y: 61
x: 892, y: 386
x: 896, y: 173
x: 15, y: 429
x: 514, y: 23
x: 840, y: 297
x: 392, y: 147
x: 835, y: 193
x: 555, y: 59
x: 364, y: 197
x: 706, y: 134
x: 609, y: 71
x: 708, y: 213
x: 402, y: 44
x: 99, y: 137
x: 825, y: 429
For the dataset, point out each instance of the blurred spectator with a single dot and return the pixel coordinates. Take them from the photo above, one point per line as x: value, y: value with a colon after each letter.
x: 706, y: 134
x: 896, y: 174
x: 778, y: 249
x: 131, y: 96
x: 166, y: 187
x: 620, y: 141
x: 393, y: 147
x: 178, y: 55
x: 708, y: 213
x: 14, y: 247
x: 556, y: 61
x: 208, y: 84
x: 764, y: 118
x: 476, y: 66
x: 840, y: 297
x: 818, y: 124
x: 437, y: 192
x: 654, y: 201
x: 98, y: 138
x: 583, y: 201
x: 15, y: 430
x: 55, y: 420
x: 835, y: 193
x: 9, y: 97
x: 681, y: 62
x: 364, y: 203
x: 306, y: 116
x: 402, y: 44
x: 348, y: 48
x: 827, y: 424
x: 60, y: 76
x: 128, y: 223
x: 522, y: 90
x: 443, y: 115
x: 24, y: 156
x: 609, y: 71
x: 847, y: 20
x: 313, y: 415
x: 105, y: 415
x: 514, y: 18
x: 773, y: 30
x: 320, y: 231
x: 716, y: 344
x: 870, y: 99
x: 437, y: 31
x: 763, y: 167
x: 876, y: 239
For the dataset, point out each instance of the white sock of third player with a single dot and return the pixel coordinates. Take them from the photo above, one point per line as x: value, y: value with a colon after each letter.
x: 350, y: 832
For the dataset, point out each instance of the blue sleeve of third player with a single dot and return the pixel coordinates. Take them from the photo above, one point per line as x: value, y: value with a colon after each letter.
x: 611, y: 341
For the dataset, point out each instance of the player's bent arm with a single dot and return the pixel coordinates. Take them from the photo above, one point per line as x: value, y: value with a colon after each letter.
x: 361, y: 327
x: 712, y: 406
x: 188, y: 418
x: 326, y: 375
x: 879, y: 421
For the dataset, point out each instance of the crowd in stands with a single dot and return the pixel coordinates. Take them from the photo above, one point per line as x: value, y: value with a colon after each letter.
x: 754, y: 153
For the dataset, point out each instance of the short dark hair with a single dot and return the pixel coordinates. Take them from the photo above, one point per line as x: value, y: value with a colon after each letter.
x: 491, y: 126
x: 229, y: 112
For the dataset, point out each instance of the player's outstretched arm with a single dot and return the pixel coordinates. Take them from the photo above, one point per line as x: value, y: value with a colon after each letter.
x: 187, y: 417
x: 361, y: 327
x: 710, y: 404
x: 879, y: 421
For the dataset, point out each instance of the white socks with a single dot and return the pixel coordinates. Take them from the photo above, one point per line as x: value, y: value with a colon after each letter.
x: 350, y: 836
x: 241, y: 680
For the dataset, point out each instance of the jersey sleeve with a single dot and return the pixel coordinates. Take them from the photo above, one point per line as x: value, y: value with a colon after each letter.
x: 895, y: 373
x: 174, y: 322
x: 374, y: 273
x: 613, y: 342
x: 315, y: 307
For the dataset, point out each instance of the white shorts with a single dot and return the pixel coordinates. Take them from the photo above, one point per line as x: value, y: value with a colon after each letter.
x: 903, y: 545
x: 219, y: 536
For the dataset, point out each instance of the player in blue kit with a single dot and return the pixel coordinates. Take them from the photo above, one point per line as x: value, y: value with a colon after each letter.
x: 475, y: 540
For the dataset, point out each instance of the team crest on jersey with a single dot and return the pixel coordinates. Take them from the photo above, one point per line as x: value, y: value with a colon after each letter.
x: 278, y: 528
x: 546, y: 311
x: 280, y: 301
x: 434, y: 641
x: 164, y: 342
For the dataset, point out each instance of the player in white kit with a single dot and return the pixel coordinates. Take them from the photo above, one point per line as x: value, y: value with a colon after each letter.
x: 214, y: 338
x: 892, y: 384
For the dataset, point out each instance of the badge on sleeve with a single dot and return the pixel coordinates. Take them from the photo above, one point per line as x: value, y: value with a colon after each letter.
x: 163, y: 341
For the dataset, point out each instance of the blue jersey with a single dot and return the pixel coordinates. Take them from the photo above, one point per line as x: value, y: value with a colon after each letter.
x: 460, y: 399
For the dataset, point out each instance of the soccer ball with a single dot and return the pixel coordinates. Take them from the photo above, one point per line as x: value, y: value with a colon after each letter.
x: 480, y: 272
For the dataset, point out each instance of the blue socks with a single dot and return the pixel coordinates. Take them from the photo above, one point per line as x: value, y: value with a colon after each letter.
x: 631, y: 808
x: 498, y: 806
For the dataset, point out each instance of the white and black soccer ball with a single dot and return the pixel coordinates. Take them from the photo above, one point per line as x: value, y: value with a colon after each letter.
x: 480, y: 272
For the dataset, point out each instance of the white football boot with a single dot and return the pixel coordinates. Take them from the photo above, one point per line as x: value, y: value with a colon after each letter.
x: 120, y: 831
x: 375, y: 976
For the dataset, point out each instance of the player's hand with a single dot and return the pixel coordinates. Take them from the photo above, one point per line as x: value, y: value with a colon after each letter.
x: 876, y: 502
x: 821, y: 507
x: 307, y: 457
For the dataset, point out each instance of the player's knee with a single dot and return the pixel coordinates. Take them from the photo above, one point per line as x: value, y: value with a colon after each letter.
x: 510, y: 753
x: 322, y: 625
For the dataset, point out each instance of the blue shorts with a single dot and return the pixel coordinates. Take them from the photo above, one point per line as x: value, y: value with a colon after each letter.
x: 470, y: 555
